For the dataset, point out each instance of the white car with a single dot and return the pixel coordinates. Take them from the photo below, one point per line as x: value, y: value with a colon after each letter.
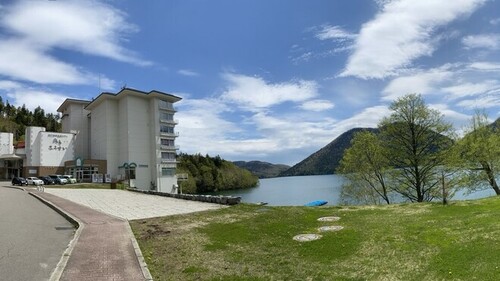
x: 34, y: 181
x: 69, y: 178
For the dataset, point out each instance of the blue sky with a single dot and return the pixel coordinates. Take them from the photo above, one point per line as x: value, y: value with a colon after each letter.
x: 260, y: 80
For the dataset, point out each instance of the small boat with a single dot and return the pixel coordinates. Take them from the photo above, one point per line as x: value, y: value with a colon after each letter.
x: 316, y: 203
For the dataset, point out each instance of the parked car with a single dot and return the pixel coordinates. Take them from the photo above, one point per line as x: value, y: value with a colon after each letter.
x: 34, y: 181
x: 69, y: 178
x: 47, y: 180
x: 19, y: 181
x: 58, y: 179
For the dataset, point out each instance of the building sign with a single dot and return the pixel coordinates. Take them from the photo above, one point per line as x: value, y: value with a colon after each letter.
x: 78, y: 162
x: 57, y: 136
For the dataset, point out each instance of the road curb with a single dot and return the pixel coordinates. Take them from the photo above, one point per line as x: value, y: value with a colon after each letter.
x: 61, y: 265
x: 138, y: 253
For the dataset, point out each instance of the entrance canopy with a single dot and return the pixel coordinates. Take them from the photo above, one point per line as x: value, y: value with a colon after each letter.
x: 10, y: 157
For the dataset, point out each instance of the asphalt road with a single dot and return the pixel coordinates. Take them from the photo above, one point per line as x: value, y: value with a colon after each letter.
x: 33, y: 237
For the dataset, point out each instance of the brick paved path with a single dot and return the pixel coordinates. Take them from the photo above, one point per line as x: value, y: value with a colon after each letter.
x: 104, y: 249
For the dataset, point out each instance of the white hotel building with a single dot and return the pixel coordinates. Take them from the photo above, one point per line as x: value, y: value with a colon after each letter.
x: 128, y: 136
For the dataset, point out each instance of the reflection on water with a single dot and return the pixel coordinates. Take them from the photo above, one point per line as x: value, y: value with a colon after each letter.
x: 297, y: 191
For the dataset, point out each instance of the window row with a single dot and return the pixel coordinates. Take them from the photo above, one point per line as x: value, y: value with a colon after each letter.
x: 166, y: 129
x: 167, y: 142
x: 168, y: 155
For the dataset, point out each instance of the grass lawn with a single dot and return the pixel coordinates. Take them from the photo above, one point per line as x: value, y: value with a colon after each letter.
x: 426, y: 241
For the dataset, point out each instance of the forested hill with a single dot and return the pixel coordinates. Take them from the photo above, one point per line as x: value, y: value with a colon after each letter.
x: 208, y: 174
x: 16, y: 119
x: 262, y: 169
x: 326, y: 160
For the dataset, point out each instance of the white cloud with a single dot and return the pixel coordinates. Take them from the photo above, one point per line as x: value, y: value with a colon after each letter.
x: 335, y: 32
x: 451, y: 115
x: 317, y: 105
x: 486, y: 66
x: 187, y: 72
x: 90, y: 27
x: 33, y: 98
x: 471, y: 89
x: 19, y: 59
x: 495, y: 21
x: 483, y: 41
x: 422, y: 82
x: 35, y: 29
x: 9, y: 85
x: 402, y: 32
x: 254, y: 92
x: 485, y: 101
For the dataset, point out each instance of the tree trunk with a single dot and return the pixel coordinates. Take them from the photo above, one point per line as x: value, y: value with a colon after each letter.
x: 491, y: 177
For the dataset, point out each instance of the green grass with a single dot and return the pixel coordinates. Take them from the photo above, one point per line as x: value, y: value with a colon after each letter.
x: 425, y: 241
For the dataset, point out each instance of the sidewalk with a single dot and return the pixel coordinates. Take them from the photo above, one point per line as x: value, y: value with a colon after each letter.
x: 104, y: 247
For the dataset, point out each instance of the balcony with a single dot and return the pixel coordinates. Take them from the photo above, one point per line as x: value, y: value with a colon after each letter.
x: 169, y: 147
x: 166, y: 121
x: 169, y: 161
x: 172, y: 135
x: 167, y: 107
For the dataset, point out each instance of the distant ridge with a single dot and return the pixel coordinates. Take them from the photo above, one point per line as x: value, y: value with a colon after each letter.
x: 262, y: 169
x: 326, y: 160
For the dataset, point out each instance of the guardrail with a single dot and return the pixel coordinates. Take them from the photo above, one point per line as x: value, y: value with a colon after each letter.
x: 217, y: 199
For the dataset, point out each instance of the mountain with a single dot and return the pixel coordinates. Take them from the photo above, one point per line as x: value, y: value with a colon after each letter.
x: 326, y: 160
x: 262, y: 169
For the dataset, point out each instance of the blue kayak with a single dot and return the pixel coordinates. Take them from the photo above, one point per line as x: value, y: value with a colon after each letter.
x: 316, y: 203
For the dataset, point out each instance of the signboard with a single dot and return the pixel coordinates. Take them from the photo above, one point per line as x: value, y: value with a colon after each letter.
x: 107, y: 178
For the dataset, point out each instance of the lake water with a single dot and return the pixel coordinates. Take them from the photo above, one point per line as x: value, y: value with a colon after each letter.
x: 297, y: 191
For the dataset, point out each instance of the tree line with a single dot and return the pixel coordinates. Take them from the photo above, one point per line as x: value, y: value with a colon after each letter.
x: 209, y: 174
x: 418, y: 156
x: 16, y: 119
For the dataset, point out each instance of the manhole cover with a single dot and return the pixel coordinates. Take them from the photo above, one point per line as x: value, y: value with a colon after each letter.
x: 329, y: 219
x: 306, y: 237
x: 330, y: 228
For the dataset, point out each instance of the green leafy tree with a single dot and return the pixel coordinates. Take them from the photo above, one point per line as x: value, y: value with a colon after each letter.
x: 207, y: 174
x: 366, y: 167
x: 480, y: 152
x: 413, y: 135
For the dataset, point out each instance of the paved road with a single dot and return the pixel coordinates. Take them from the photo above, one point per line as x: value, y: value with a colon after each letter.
x: 32, y: 237
x: 131, y: 205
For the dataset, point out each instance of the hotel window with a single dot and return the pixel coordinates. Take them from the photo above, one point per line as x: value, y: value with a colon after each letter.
x: 167, y: 172
x: 166, y: 104
x: 166, y: 129
x: 167, y: 142
x: 166, y: 116
x: 168, y: 156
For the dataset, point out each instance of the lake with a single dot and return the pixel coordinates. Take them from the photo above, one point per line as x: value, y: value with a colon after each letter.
x: 297, y: 191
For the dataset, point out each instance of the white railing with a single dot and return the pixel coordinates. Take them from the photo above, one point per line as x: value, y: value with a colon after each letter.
x: 176, y: 134
x: 174, y: 121
x: 169, y: 147
x: 169, y: 160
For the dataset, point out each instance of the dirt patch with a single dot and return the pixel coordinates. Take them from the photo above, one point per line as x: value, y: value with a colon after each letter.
x: 154, y: 231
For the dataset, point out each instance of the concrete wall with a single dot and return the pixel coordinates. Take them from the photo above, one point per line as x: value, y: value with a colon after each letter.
x: 104, y: 139
x: 6, y: 143
x: 78, y: 124
x: 32, y: 141
x: 136, y: 130
x: 55, y: 148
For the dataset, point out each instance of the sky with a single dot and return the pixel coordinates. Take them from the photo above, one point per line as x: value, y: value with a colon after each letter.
x: 267, y: 80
